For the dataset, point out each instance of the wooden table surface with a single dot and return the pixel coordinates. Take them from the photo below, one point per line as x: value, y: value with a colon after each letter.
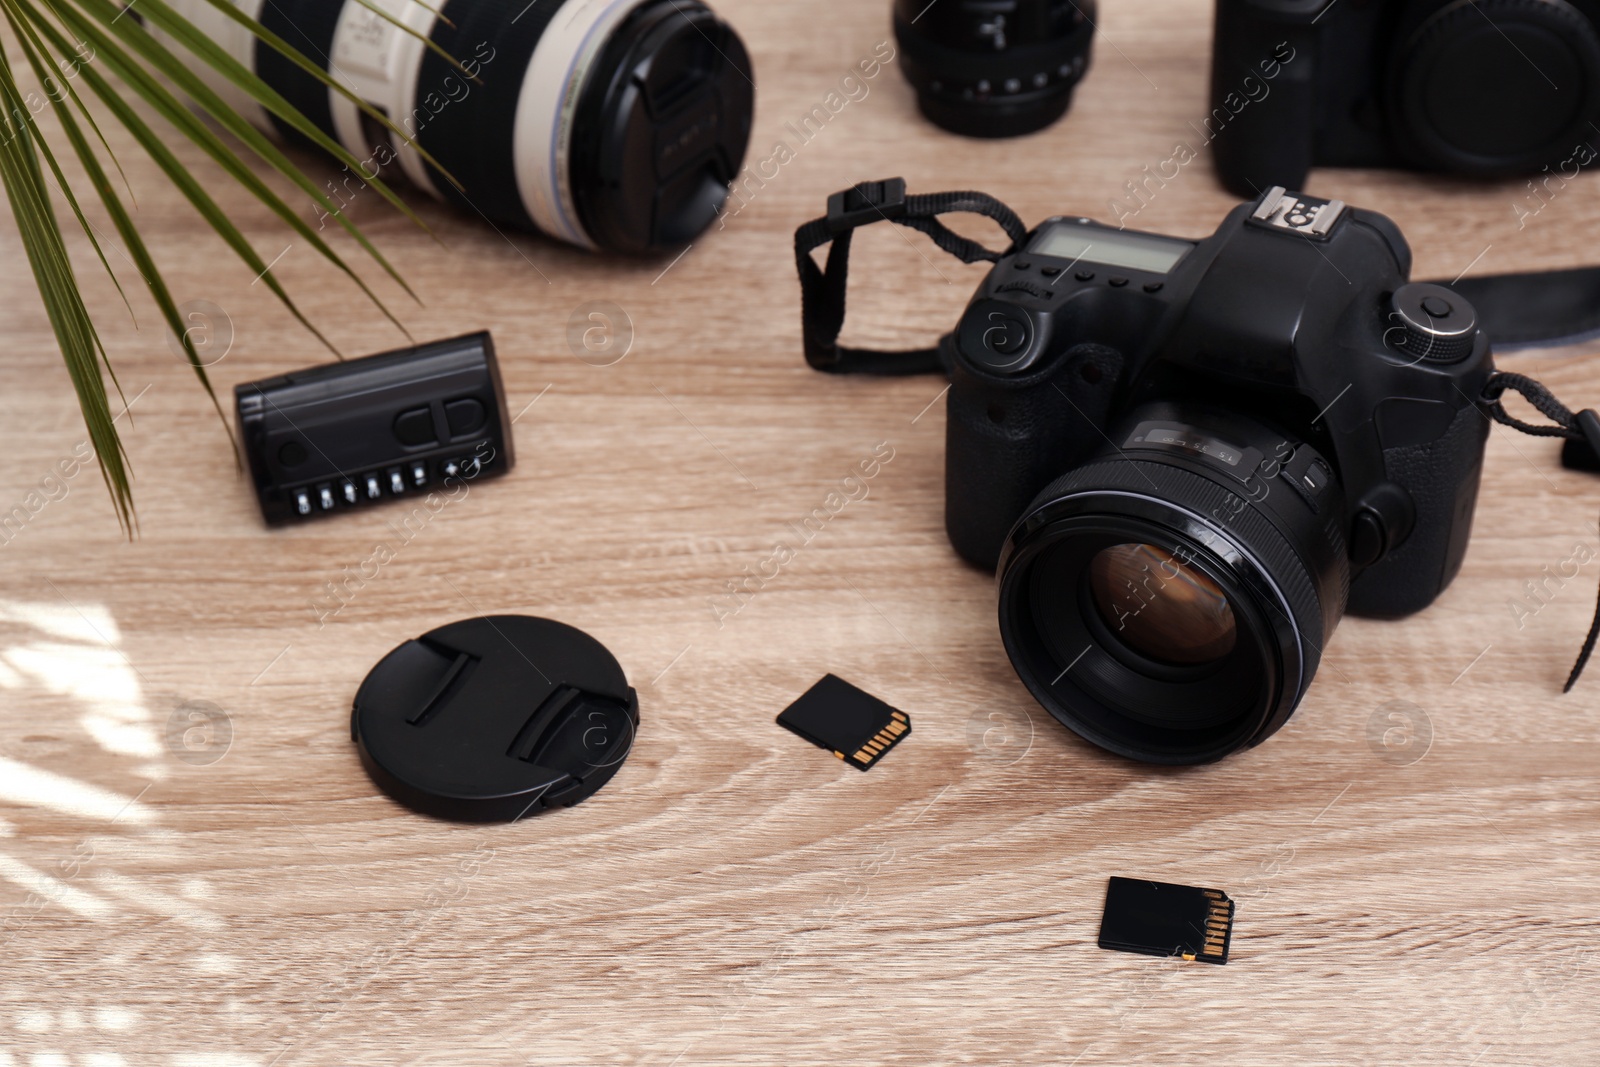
x: 1414, y: 856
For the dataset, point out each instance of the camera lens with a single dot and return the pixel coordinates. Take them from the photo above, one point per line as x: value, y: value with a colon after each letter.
x: 1184, y: 620
x: 610, y: 124
x: 1168, y: 600
x: 994, y: 68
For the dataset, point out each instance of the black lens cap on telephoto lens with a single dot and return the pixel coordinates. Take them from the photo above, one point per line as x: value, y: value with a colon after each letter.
x: 662, y: 129
x: 495, y: 718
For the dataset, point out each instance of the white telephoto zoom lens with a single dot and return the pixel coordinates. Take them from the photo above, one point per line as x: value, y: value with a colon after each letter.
x: 611, y: 124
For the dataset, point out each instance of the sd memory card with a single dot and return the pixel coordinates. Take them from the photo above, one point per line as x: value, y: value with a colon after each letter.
x: 856, y: 726
x: 1163, y: 919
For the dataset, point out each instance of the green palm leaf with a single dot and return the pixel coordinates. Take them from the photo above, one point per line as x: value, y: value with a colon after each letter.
x: 55, y: 37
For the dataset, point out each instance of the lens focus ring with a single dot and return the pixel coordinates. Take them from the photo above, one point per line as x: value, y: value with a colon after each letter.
x: 309, y: 26
x: 474, y: 137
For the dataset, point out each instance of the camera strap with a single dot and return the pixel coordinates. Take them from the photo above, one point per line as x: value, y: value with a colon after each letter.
x: 1581, y: 451
x: 1539, y: 309
x: 822, y: 292
x: 1542, y: 309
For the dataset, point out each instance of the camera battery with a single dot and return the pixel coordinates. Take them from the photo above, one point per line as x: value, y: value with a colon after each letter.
x: 403, y: 423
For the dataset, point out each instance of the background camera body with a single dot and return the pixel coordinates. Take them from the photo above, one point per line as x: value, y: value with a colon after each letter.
x: 1295, y: 315
x: 1490, y: 88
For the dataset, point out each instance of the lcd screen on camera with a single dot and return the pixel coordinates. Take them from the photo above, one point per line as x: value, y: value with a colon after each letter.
x: 1110, y: 248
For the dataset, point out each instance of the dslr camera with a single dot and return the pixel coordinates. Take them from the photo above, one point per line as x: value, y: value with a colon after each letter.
x: 1188, y: 459
x: 1488, y: 88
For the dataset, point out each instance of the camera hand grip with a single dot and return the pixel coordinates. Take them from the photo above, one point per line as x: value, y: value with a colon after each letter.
x: 1441, y: 478
x: 1005, y: 442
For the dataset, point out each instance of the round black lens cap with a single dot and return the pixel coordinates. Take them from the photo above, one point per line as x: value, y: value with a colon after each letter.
x: 662, y: 128
x: 494, y: 718
x: 1499, y: 86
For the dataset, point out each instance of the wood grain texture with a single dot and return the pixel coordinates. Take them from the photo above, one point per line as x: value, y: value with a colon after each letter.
x: 735, y: 896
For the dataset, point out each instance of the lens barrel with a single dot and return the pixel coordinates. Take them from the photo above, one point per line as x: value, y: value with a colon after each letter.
x: 983, y: 68
x: 1169, y: 599
x: 610, y: 124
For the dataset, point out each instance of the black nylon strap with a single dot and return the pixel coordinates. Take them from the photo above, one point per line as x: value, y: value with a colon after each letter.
x: 1581, y: 430
x: 1542, y: 309
x: 1535, y: 393
x: 822, y: 291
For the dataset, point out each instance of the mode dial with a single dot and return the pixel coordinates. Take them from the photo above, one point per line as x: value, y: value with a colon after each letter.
x: 1432, y: 323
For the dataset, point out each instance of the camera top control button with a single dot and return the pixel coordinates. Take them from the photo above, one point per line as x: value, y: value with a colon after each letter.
x: 1431, y: 323
x: 1049, y: 272
x: 414, y: 427
x: 1117, y: 283
x: 1084, y: 275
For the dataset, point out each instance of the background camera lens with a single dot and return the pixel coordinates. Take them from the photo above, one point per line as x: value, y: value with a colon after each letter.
x: 610, y: 124
x: 1160, y: 606
x: 1168, y: 600
x: 994, y: 69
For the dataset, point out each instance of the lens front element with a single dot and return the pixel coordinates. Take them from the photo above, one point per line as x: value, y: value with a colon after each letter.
x: 1160, y: 606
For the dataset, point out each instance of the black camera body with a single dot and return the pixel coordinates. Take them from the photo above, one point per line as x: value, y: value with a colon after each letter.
x: 1489, y: 88
x: 1188, y: 459
x: 1315, y: 334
